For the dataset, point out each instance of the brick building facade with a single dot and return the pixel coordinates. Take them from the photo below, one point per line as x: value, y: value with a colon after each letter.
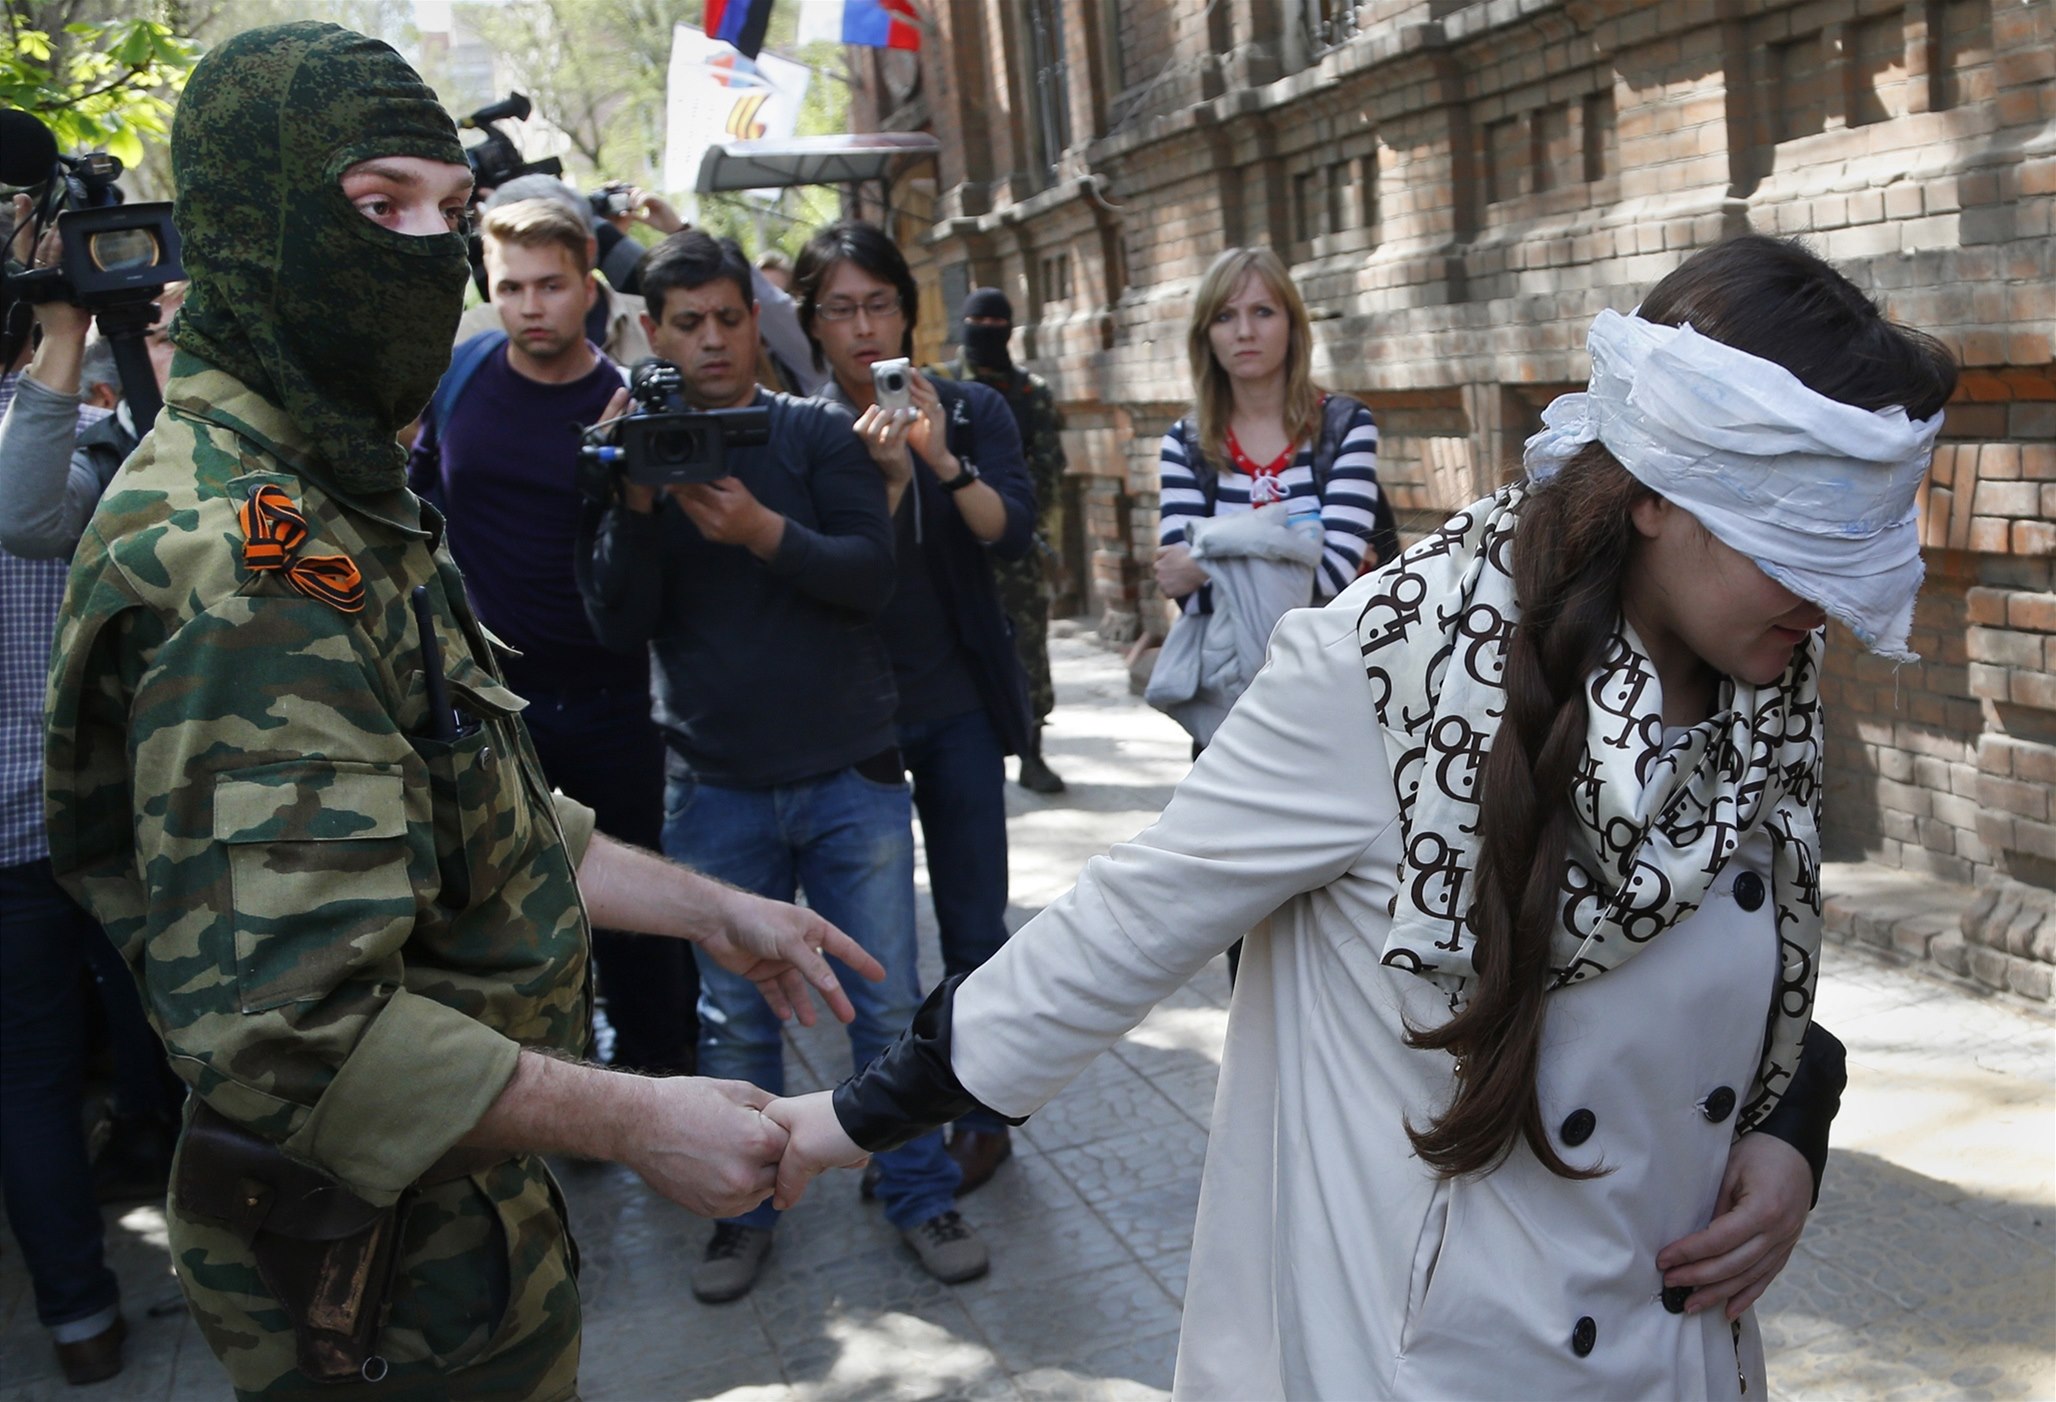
x: 1460, y: 188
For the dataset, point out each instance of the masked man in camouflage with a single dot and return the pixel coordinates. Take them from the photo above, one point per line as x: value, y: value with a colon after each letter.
x: 1024, y: 589
x: 284, y: 772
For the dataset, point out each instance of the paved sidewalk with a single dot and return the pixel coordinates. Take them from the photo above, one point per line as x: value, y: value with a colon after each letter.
x: 1928, y: 1270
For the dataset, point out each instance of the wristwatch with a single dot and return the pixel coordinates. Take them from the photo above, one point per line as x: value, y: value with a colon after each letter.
x: 962, y: 479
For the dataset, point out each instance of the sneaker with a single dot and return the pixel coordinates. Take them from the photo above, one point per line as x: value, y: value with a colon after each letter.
x: 734, y: 1259
x: 947, y: 1248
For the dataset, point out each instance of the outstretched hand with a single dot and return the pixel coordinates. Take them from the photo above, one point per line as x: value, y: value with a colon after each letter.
x: 815, y: 1142
x: 1765, y: 1195
x: 784, y: 950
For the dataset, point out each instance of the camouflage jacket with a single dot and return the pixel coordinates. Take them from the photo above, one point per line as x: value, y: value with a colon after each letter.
x: 1035, y: 410
x: 344, y: 930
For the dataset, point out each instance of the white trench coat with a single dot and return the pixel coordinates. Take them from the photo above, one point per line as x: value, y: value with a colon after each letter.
x: 1327, y: 1262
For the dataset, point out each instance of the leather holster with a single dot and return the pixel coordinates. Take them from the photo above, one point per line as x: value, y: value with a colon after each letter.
x: 325, y: 1254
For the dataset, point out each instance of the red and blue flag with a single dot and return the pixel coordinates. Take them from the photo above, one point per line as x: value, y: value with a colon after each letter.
x: 878, y: 24
x: 739, y: 22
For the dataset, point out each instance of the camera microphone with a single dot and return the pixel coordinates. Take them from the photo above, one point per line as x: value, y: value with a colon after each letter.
x: 651, y: 379
x: 28, y: 152
x: 514, y: 107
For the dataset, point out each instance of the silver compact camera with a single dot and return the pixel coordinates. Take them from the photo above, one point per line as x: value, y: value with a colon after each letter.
x: 892, y: 380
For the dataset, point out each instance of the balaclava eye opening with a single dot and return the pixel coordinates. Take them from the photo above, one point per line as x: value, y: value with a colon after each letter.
x: 344, y: 325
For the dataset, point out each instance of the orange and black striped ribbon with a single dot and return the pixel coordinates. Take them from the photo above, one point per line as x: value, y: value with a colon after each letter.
x: 274, y: 529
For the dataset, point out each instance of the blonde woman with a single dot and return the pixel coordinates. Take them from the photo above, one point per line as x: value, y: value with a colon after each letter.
x: 1262, y: 432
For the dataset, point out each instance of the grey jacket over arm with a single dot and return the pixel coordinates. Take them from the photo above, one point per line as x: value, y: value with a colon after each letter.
x: 48, y: 487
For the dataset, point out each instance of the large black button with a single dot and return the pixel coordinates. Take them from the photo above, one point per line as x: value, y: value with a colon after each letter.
x: 1578, y: 1126
x: 1584, y: 1334
x: 1719, y: 1105
x: 1749, y: 891
x: 1674, y: 1297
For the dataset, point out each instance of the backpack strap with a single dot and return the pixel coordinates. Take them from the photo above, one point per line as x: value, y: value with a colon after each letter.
x: 1202, y: 469
x: 1338, y: 412
x: 464, y: 363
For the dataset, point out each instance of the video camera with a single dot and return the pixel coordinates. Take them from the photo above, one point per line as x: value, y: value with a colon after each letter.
x: 612, y: 200
x: 114, y: 258
x: 496, y: 160
x: 662, y: 441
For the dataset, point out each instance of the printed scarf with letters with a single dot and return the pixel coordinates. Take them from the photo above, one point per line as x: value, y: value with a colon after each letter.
x: 1654, y: 824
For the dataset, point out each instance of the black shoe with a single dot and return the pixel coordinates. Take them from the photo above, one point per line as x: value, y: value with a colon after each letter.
x: 1038, y: 777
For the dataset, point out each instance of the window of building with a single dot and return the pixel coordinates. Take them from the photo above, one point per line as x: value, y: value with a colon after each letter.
x: 1599, y: 135
x: 1367, y: 192
x: 1341, y: 207
x: 1959, y: 53
x: 1557, y: 162
x: 1797, y: 99
x: 1507, y: 160
x: 1050, y: 72
x: 1328, y: 23
x: 1877, y: 70
x: 1056, y: 277
x: 956, y: 286
x: 1309, y: 203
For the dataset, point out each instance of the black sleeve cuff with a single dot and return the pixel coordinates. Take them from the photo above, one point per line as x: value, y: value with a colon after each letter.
x: 909, y: 1088
x: 1809, y: 1105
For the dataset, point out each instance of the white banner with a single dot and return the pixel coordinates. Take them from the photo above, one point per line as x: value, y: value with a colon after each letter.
x: 718, y: 95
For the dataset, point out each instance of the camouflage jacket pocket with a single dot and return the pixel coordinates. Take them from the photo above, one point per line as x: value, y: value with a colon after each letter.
x: 317, y: 858
x: 485, y: 1265
x: 484, y: 818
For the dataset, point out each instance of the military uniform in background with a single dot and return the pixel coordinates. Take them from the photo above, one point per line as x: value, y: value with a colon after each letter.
x: 1025, y: 589
x: 348, y: 908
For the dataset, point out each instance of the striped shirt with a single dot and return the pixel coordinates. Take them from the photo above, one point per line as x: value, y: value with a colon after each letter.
x: 1348, y: 511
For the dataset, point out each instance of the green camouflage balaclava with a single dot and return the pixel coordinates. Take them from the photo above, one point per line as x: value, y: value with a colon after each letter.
x: 344, y: 325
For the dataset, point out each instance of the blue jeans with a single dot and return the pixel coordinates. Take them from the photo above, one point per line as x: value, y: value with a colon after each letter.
x: 960, y: 782
x: 44, y: 943
x: 848, y: 842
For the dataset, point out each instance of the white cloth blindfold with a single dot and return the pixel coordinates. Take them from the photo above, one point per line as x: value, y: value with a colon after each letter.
x: 1820, y: 494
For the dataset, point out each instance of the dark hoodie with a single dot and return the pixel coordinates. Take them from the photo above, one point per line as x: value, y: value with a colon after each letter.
x: 344, y: 325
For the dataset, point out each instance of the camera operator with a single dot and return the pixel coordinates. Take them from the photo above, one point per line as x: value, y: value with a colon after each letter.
x: 620, y: 257
x: 758, y: 595
x: 961, y: 494
x: 499, y: 453
x: 285, y: 774
x: 52, y: 482
x: 56, y: 454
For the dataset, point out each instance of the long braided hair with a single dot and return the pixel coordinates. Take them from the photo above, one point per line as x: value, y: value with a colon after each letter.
x: 1571, y: 550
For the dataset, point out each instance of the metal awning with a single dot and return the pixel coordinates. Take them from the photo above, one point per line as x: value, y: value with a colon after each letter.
x: 809, y: 160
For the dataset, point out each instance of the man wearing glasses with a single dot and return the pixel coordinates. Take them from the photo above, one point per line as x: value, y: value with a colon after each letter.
x: 961, y: 500
x: 758, y: 596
